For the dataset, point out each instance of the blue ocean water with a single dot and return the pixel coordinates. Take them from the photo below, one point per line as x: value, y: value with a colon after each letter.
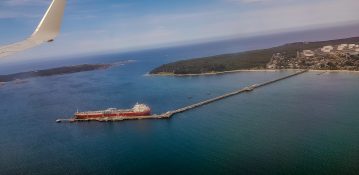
x: 304, y: 125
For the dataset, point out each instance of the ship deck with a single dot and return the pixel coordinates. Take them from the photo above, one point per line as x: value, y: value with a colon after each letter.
x: 114, y: 119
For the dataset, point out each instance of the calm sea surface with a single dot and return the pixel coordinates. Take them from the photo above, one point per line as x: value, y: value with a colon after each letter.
x: 308, y: 124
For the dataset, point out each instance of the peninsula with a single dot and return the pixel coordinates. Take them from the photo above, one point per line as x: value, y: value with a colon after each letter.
x: 340, y: 54
x: 51, y: 72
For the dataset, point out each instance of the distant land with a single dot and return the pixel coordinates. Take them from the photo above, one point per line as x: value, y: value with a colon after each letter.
x: 340, y: 54
x: 20, y: 77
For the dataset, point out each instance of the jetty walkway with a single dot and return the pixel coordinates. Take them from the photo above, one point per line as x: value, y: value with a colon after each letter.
x: 193, y: 106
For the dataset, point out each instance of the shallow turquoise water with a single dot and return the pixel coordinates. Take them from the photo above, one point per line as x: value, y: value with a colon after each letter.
x: 304, y: 125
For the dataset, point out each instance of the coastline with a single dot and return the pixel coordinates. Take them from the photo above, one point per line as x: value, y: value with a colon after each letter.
x: 249, y: 70
x: 22, y: 76
x: 283, y: 57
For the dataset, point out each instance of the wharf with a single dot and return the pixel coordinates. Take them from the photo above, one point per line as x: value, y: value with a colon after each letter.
x: 169, y: 114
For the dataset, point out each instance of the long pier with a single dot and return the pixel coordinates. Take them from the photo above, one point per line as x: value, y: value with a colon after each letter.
x: 193, y: 106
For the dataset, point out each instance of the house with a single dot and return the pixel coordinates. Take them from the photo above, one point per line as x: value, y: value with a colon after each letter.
x: 342, y: 46
x: 354, y: 53
x: 308, y: 53
x: 351, y: 46
x: 327, y: 49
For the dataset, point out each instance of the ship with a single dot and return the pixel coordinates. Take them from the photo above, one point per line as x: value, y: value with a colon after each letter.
x: 113, y: 113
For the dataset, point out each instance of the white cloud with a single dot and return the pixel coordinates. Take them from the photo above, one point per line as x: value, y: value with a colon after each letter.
x: 249, y: 1
x: 124, y: 32
x: 24, y: 2
x: 157, y: 29
x: 21, y: 8
x: 17, y: 14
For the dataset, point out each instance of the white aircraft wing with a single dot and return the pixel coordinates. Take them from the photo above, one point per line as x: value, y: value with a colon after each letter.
x: 46, y: 31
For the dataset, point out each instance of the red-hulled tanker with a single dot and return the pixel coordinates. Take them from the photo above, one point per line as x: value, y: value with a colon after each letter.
x: 137, y: 110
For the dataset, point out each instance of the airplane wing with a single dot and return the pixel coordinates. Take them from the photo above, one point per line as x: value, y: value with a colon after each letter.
x: 46, y: 31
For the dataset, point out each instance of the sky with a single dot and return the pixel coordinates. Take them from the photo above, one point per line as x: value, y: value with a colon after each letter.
x: 92, y: 26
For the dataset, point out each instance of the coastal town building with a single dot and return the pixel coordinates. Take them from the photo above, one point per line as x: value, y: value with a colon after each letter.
x: 308, y: 53
x: 342, y: 47
x: 327, y: 49
x: 346, y: 57
x: 354, y: 53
